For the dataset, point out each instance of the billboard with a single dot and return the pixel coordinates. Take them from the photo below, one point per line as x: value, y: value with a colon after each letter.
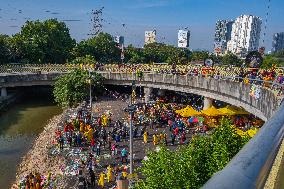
x: 119, y: 40
x: 150, y: 37
x: 218, y: 47
x: 183, y: 38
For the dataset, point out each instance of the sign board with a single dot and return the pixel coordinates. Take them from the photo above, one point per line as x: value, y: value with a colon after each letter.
x: 150, y: 37
x: 183, y: 38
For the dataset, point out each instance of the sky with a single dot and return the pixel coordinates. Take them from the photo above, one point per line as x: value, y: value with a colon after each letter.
x: 130, y: 18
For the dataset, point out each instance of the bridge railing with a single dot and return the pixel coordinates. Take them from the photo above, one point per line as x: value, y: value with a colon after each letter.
x: 275, y: 86
x: 250, y: 168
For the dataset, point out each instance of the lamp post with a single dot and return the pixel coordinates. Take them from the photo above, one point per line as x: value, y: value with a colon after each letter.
x: 90, y: 92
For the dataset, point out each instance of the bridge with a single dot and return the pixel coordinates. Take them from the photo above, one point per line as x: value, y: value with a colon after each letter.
x: 251, y: 166
x: 236, y: 93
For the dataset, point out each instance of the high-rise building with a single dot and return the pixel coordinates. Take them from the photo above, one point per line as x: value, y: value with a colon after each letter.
x: 278, y: 42
x: 183, y: 38
x: 245, y: 35
x: 222, y: 35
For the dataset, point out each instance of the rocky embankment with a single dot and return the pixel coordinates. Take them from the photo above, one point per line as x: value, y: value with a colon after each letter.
x: 39, y: 159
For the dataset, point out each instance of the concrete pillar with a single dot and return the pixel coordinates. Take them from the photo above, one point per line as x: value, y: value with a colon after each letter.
x: 207, y: 103
x: 147, y: 93
x: 161, y: 92
x: 3, y: 92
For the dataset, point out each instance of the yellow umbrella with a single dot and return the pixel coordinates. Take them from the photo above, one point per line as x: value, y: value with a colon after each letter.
x: 238, y: 111
x: 227, y: 111
x: 212, y: 111
x: 189, y: 111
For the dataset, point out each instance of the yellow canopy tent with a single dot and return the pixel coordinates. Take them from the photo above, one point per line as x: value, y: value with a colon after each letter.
x: 212, y: 111
x: 238, y: 111
x: 227, y: 111
x: 188, y: 112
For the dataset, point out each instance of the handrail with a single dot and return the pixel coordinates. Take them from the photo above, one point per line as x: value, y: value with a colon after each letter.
x: 250, y: 168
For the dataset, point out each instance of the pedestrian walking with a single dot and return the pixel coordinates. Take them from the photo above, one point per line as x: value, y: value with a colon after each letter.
x: 145, y: 137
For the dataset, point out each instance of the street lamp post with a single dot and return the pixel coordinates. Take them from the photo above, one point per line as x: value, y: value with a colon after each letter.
x: 90, y: 92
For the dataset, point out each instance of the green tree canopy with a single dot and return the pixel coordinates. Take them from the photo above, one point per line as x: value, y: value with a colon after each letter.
x: 43, y: 42
x: 159, y: 52
x: 191, y: 166
x: 88, y: 59
x: 72, y: 88
x: 231, y: 59
x: 199, y: 55
x: 102, y: 47
x: 4, y: 49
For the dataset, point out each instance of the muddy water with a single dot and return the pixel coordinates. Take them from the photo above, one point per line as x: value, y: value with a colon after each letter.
x: 19, y: 126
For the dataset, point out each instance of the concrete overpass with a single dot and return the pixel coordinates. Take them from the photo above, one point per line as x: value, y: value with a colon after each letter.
x: 226, y: 90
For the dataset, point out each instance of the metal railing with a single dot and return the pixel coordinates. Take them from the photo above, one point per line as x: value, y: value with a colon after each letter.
x: 250, y: 168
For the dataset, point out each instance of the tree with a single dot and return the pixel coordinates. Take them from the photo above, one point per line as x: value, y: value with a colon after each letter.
x: 159, y: 52
x: 134, y: 55
x: 102, y: 47
x: 88, y: 59
x: 199, y: 55
x: 4, y: 49
x: 191, y: 166
x: 231, y: 59
x: 43, y: 42
x: 72, y: 88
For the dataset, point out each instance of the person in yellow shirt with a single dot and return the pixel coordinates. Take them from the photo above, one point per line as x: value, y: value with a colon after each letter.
x: 145, y: 137
x: 82, y: 127
x: 101, y: 181
x: 161, y: 137
x: 110, y: 177
x: 155, y: 139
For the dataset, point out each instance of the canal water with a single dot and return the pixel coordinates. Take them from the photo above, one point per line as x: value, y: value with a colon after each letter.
x: 19, y: 125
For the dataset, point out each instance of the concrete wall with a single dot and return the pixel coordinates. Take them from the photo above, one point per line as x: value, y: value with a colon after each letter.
x: 224, y: 90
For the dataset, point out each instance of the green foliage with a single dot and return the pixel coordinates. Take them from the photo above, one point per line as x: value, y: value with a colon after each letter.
x: 134, y: 55
x: 199, y: 55
x: 231, y: 59
x: 276, y: 58
x: 159, y: 52
x: 101, y: 47
x: 191, y: 166
x: 43, y: 42
x: 73, y: 88
x: 4, y: 49
x: 88, y: 59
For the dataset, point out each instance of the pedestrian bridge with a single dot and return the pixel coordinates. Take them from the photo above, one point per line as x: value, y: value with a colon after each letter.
x: 252, y: 165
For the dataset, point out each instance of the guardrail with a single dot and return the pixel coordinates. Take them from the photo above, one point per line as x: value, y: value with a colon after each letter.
x: 250, y: 168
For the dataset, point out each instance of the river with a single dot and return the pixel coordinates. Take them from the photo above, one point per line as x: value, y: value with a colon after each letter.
x: 19, y: 126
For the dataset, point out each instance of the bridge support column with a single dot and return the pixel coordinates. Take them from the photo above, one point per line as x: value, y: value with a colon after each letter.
x: 3, y: 92
x: 207, y: 103
x: 161, y: 92
x: 147, y: 93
